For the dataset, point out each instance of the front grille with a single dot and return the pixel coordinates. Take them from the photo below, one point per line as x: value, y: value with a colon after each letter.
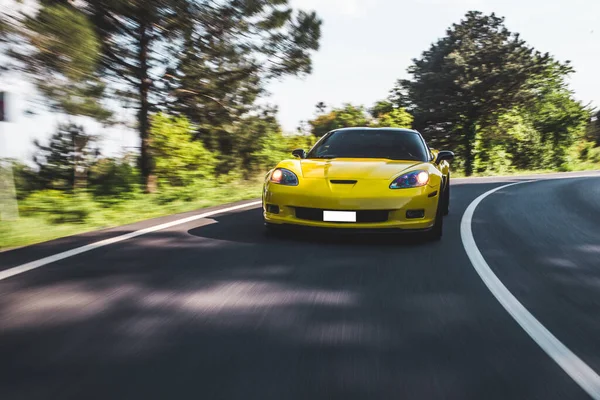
x: 364, y: 216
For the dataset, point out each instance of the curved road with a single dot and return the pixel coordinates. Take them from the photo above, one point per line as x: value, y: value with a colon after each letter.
x: 213, y: 309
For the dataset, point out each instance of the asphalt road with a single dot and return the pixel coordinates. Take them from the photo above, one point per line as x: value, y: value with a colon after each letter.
x: 213, y: 309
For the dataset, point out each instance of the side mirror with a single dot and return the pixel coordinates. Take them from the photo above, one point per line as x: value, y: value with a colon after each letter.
x: 444, y: 155
x: 300, y: 153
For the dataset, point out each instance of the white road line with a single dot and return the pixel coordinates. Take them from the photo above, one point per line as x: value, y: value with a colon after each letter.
x: 579, y: 371
x: 92, y: 246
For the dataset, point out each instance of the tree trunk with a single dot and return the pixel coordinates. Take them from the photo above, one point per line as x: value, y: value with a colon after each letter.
x: 146, y: 161
x: 471, y: 130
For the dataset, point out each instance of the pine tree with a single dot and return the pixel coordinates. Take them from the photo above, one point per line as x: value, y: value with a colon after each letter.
x: 64, y: 162
x: 469, y: 78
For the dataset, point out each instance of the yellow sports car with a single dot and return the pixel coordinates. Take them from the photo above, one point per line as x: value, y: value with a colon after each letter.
x: 353, y: 178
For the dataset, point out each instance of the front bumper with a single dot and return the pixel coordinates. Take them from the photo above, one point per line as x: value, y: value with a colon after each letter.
x: 364, y: 195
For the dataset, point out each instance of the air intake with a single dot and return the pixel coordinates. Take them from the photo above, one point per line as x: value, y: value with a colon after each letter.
x: 273, y: 209
x: 343, y: 182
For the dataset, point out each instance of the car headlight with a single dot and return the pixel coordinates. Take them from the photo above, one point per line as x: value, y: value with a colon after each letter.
x: 410, y: 180
x: 284, y: 176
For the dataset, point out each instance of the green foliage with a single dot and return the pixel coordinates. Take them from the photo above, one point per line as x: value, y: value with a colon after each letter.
x: 225, y: 64
x: 305, y: 142
x: 594, y: 155
x: 513, y: 143
x: 561, y: 121
x: 276, y: 147
x: 344, y: 117
x: 113, y: 179
x: 536, y: 137
x: 206, y: 60
x: 172, y: 194
x: 273, y: 148
x: 244, y: 140
x: 64, y: 162
x: 469, y: 78
x: 593, y: 128
x: 217, y: 56
x: 257, y: 144
x: 26, y: 180
x: 587, y: 151
x: 61, y: 52
x: 57, y: 207
x: 381, y: 107
x: 179, y: 159
x: 382, y: 114
x: 396, y: 118
x: 65, y: 41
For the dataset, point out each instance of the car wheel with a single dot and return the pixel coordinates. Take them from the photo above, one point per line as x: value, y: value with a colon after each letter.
x: 437, y: 230
x: 447, y: 197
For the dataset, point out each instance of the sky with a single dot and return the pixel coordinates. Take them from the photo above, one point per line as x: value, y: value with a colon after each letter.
x: 366, y: 46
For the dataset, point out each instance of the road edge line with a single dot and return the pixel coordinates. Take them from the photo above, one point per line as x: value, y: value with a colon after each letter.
x: 106, y: 242
x: 576, y: 368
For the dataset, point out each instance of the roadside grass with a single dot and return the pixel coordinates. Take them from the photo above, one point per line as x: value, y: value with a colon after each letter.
x: 50, y: 215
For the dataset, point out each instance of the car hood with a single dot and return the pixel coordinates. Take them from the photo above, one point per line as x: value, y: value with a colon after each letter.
x: 347, y: 168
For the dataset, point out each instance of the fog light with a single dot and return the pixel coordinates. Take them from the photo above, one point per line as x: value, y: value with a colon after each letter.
x: 273, y: 209
x: 413, y: 214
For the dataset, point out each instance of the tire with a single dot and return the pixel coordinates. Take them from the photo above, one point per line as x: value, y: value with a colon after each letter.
x: 437, y: 230
x: 446, y: 208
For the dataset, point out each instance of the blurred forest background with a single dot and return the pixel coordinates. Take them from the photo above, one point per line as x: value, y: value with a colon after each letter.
x: 193, y: 74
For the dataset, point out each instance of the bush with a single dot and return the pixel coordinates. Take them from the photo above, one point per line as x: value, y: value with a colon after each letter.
x: 584, y: 150
x: 170, y: 194
x: 57, y: 207
x: 114, y: 179
x: 594, y: 155
x: 26, y: 180
x: 180, y: 160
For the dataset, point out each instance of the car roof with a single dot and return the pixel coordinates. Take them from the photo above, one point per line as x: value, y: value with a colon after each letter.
x: 365, y: 128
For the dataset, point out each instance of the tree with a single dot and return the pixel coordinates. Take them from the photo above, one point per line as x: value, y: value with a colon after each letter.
x: 232, y: 49
x: 271, y: 148
x: 381, y: 107
x: 344, y: 117
x: 469, y: 78
x: 536, y: 136
x: 253, y: 137
x: 26, y: 179
x: 593, y: 128
x: 179, y: 160
x: 204, y: 59
x: 135, y: 35
x: 560, y: 121
x: 61, y: 52
x: 114, y: 179
x: 64, y: 162
x: 395, y: 118
x: 511, y: 143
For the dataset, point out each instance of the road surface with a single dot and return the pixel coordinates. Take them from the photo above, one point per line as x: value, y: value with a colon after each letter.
x: 213, y: 309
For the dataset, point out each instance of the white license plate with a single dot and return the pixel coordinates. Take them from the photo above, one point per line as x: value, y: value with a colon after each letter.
x: 339, y: 216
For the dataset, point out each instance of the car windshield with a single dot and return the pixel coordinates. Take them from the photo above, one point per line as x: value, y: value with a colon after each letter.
x: 364, y: 143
